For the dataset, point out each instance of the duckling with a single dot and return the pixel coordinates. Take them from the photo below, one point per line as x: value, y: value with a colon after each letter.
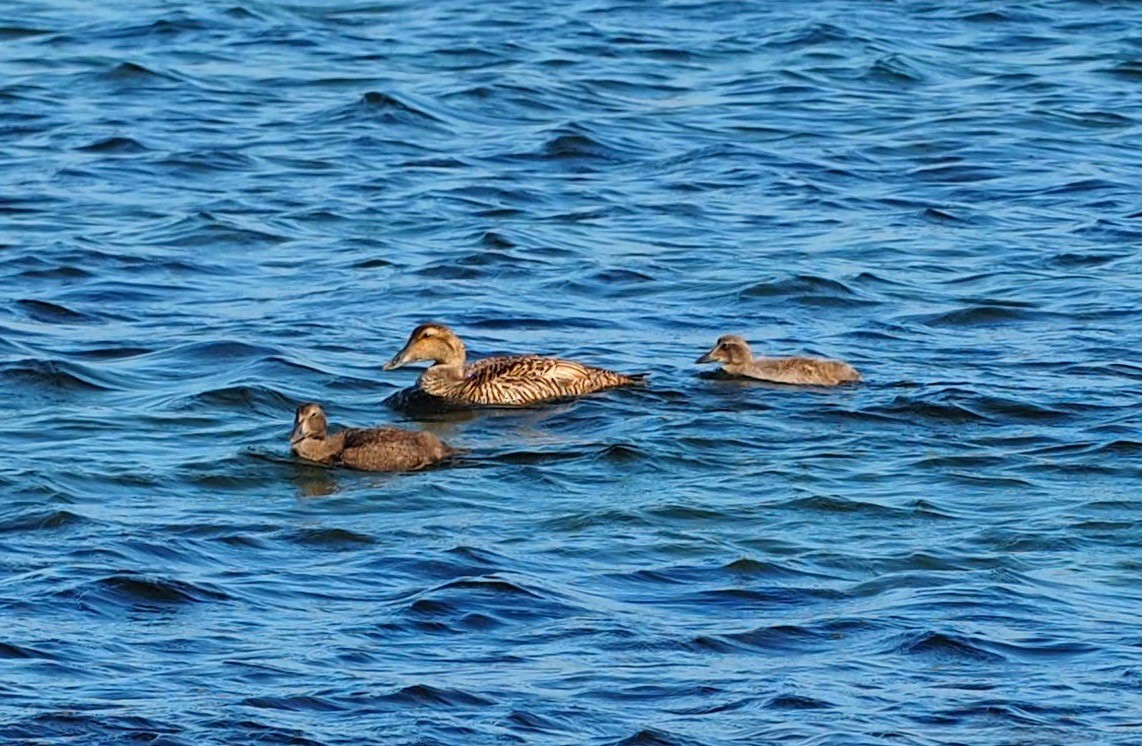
x: 733, y: 351
x: 376, y: 449
x: 510, y: 380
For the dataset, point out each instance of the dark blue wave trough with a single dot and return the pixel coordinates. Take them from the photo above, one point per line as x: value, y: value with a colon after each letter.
x: 210, y: 211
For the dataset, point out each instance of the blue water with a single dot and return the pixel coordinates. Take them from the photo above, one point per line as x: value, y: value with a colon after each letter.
x: 213, y: 210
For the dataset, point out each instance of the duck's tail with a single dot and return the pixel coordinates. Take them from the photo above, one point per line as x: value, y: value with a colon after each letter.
x: 635, y: 379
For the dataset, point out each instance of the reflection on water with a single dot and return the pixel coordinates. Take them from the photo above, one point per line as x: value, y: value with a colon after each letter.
x: 315, y: 481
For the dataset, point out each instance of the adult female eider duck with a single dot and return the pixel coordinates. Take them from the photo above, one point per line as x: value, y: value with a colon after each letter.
x: 375, y: 449
x: 510, y: 380
x: 733, y: 352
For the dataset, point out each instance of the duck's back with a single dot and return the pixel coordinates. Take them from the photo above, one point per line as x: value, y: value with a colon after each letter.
x: 523, y: 379
x: 805, y: 371
x: 392, y: 449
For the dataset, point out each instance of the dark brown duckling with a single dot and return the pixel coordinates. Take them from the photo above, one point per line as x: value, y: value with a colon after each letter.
x: 511, y: 380
x: 733, y: 352
x: 374, y: 449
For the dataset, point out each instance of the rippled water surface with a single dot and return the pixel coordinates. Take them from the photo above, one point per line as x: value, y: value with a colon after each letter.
x: 210, y: 211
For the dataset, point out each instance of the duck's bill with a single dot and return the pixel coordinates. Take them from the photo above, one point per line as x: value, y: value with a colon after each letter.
x: 707, y: 358
x: 297, y: 435
x: 395, y: 363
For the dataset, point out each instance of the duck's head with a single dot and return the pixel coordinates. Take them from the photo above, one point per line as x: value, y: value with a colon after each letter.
x: 434, y: 342
x: 309, y: 422
x: 730, y: 349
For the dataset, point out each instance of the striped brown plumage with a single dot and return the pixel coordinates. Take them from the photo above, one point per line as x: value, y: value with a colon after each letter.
x: 510, y: 380
x: 518, y: 380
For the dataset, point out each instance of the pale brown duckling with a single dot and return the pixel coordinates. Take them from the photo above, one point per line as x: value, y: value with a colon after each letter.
x: 510, y: 380
x: 733, y: 352
x: 374, y: 449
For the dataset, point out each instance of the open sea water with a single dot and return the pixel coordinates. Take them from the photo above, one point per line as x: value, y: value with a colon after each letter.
x: 213, y: 210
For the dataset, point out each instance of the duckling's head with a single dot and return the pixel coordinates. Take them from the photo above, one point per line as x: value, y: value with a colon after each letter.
x: 308, y: 423
x: 730, y: 349
x: 434, y: 342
